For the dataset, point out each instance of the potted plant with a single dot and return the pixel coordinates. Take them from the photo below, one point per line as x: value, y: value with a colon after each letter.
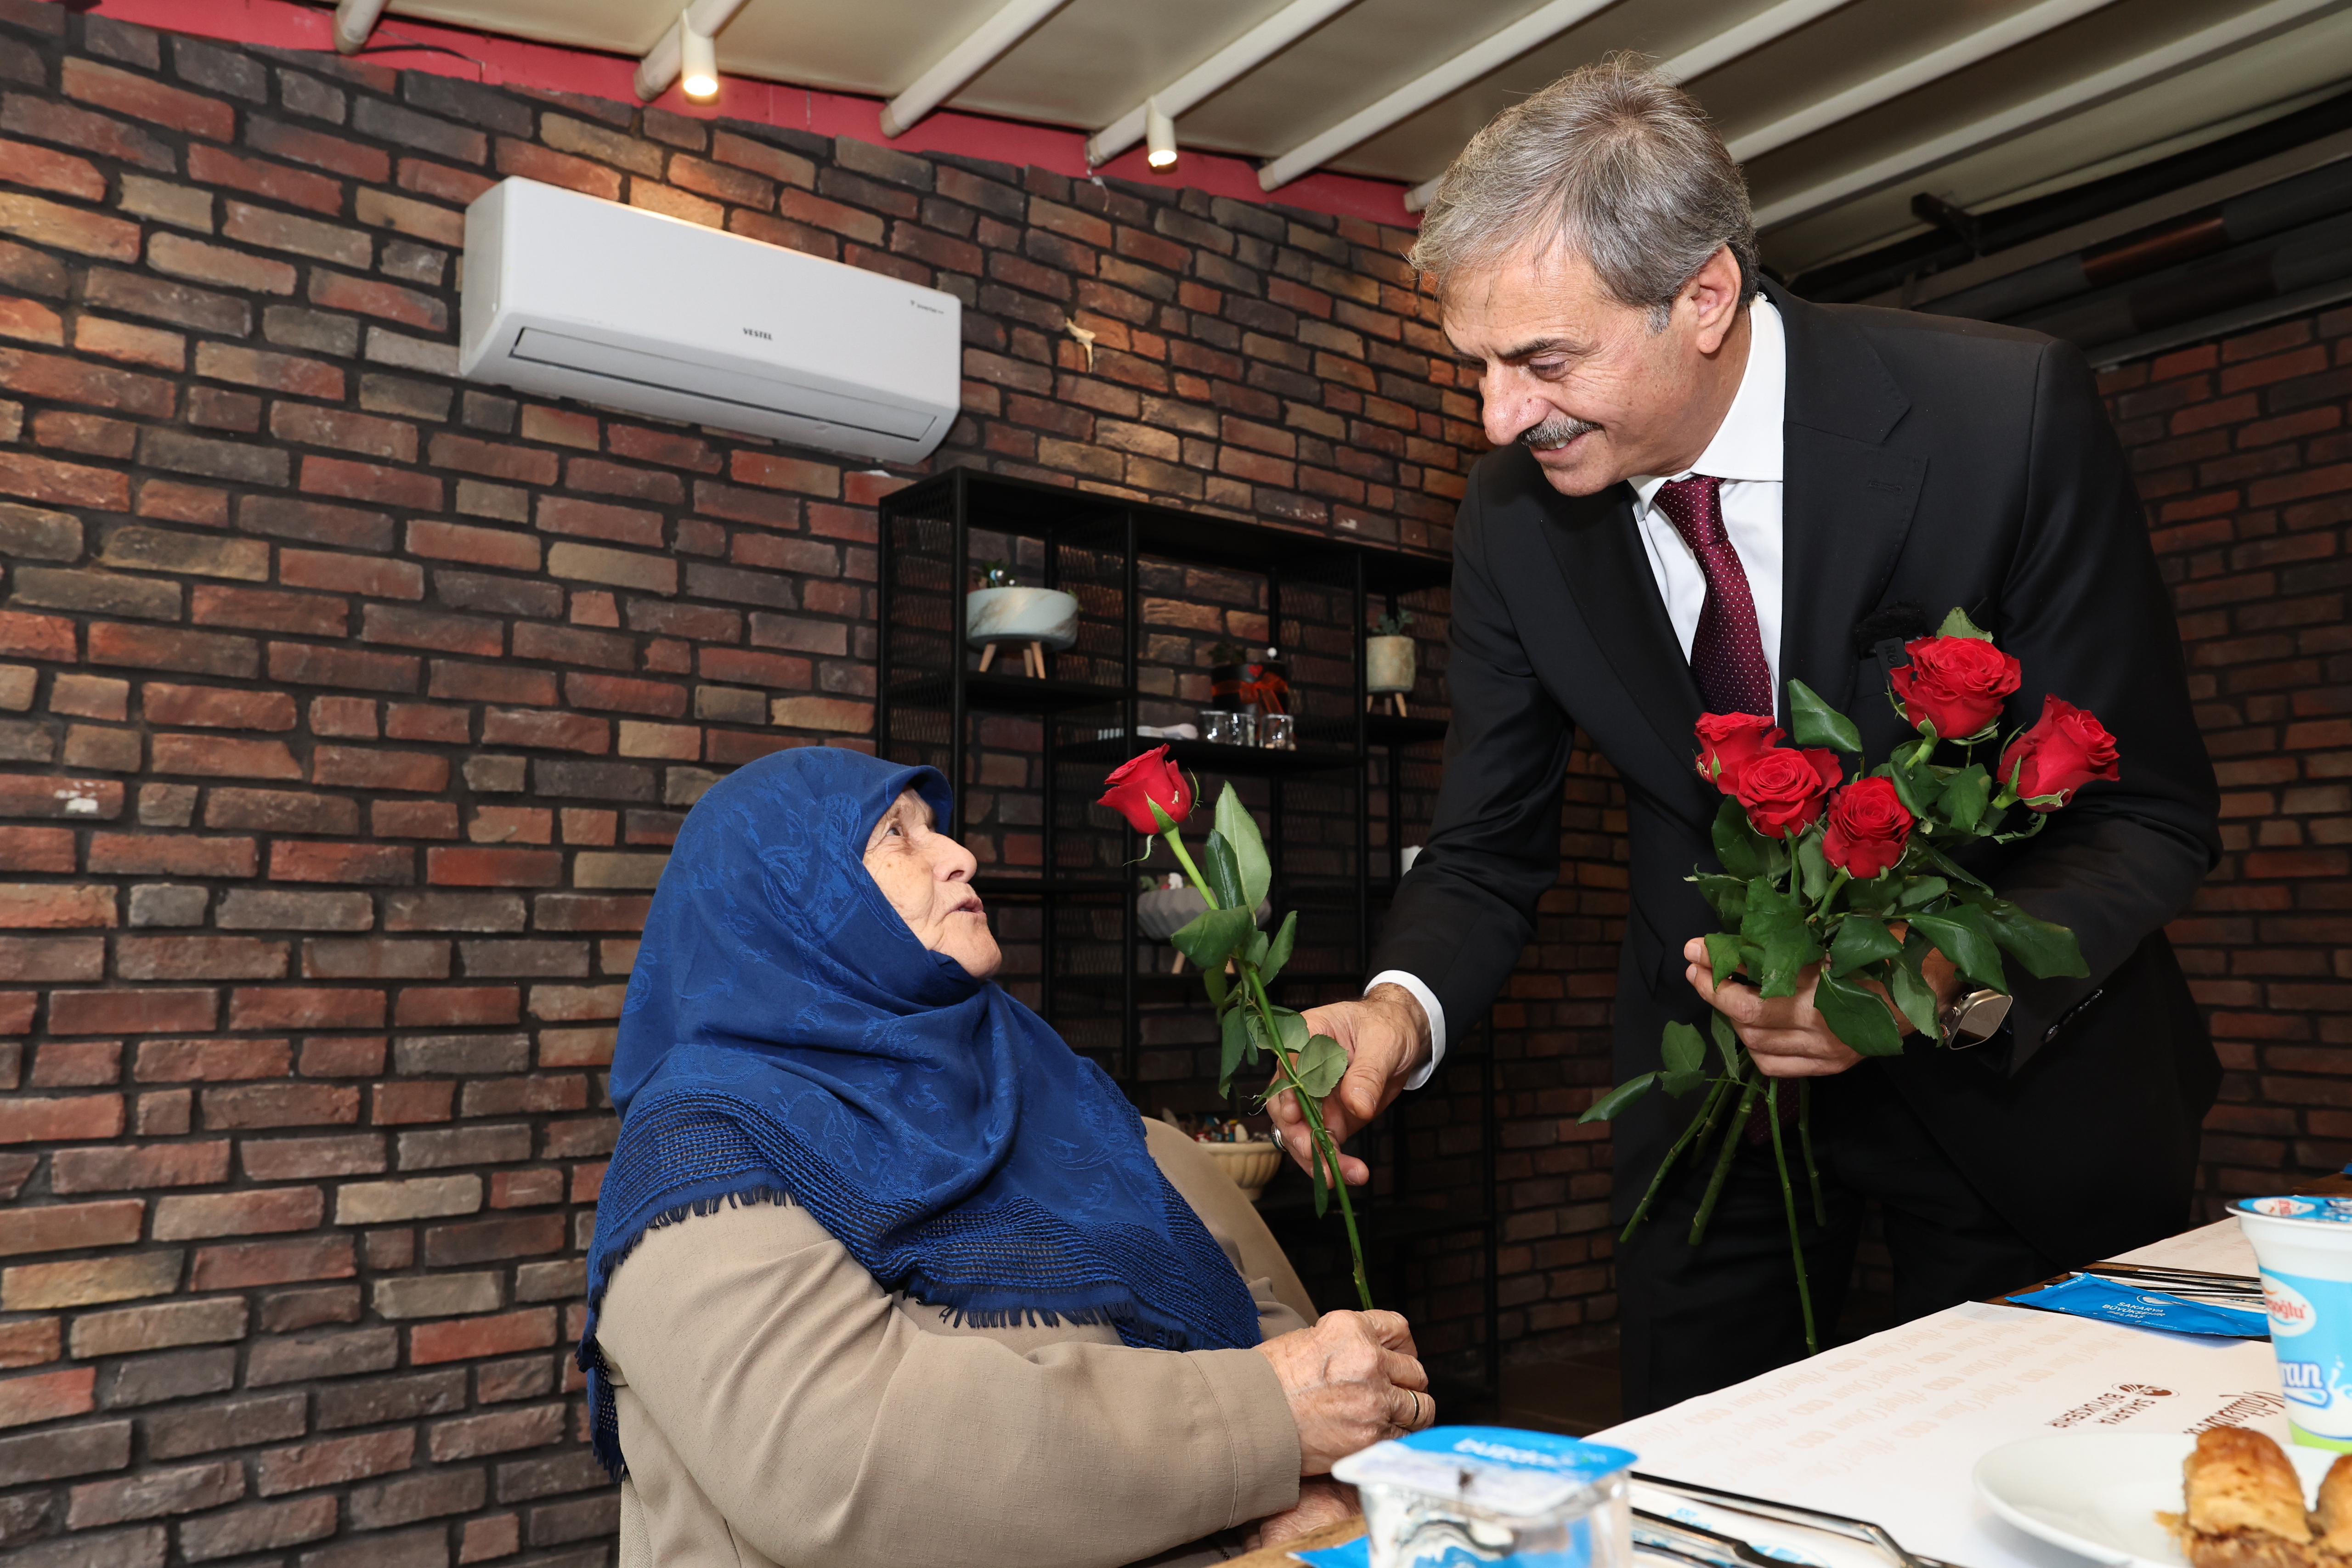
x: 1391, y: 660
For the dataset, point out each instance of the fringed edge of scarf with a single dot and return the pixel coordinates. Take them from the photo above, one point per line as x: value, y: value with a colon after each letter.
x: 603, y: 1412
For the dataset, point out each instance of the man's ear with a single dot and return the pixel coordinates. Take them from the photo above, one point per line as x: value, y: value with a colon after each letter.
x: 1712, y: 295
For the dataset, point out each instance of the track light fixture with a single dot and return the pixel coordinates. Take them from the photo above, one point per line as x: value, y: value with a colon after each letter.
x: 697, y: 59
x: 1158, y: 136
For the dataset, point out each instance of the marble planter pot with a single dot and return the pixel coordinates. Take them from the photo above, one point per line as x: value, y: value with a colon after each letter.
x: 1390, y: 663
x: 1044, y: 615
x: 1037, y: 618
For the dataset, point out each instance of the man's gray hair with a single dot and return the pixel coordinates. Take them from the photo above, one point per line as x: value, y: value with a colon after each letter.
x: 1613, y: 160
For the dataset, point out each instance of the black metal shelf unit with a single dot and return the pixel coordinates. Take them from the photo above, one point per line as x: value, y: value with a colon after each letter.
x: 1027, y: 755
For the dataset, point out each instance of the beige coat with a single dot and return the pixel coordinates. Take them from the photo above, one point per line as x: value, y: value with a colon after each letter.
x: 780, y: 1409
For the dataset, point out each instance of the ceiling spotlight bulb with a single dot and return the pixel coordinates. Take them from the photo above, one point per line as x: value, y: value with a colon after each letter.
x: 698, y: 60
x: 1158, y: 136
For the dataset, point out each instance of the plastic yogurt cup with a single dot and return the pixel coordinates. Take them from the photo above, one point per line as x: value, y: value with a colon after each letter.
x: 2304, y: 1248
x: 1459, y: 1495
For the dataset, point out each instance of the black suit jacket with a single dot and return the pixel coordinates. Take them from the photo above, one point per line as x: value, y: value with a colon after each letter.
x: 1928, y: 462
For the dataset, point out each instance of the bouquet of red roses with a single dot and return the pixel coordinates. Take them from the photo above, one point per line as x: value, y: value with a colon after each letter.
x: 1848, y: 885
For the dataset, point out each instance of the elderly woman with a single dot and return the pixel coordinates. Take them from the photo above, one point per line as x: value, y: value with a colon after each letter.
x: 885, y: 1273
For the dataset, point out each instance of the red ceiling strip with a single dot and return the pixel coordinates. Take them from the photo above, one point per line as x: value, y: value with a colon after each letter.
x: 518, y: 62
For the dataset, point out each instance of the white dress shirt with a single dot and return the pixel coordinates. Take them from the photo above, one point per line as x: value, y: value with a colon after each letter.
x: 1745, y: 456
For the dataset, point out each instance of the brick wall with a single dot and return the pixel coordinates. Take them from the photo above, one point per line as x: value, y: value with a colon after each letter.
x: 346, y: 710
x: 2243, y: 454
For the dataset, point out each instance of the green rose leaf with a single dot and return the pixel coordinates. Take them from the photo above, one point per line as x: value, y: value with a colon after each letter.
x: 1737, y: 844
x: 1253, y: 951
x: 1913, y: 995
x: 1617, y: 1099
x: 1957, y: 624
x: 1776, y: 923
x: 1857, y: 1017
x: 1239, y: 828
x: 1785, y: 958
x: 2047, y: 951
x: 1223, y: 873
x: 1214, y: 935
x: 1234, y: 1045
x: 1277, y: 951
x: 1726, y: 1041
x: 1723, y: 954
x: 1215, y: 980
x: 1861, y: 940
x: 1963, y: 934
x: 1964, y: 797
x: 1727, y: 896
x: 1919, y: 889
x: 1812, y: 865
x: 1683, y: 1050
x: 1813, y: 722
x: 1321, y: 1063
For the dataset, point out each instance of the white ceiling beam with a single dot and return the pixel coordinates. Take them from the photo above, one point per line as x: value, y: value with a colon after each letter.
x: 354, y: 20
x: 1488, y: 55
x: 974, y: 53
x: 1917, y: 72
x: 659, y: 70
x: 1227, y: 66
x: 2241, y: 31
x: 1771, y: 23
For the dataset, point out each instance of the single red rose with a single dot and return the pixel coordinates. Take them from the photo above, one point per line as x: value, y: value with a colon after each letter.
x: 1140, y: 782
x: 2065, y: 750
x: 1956, y: 683
x: 1729, y: 741
x: 1868, y: 827
x: 1782, y: 788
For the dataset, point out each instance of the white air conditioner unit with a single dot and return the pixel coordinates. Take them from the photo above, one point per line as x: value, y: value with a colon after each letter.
x: 569, y: 296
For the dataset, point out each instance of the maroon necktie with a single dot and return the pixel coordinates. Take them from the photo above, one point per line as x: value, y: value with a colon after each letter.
x: 1727, y: 655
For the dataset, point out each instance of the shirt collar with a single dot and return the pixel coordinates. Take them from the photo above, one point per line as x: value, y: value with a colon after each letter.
x: 1747, y: 446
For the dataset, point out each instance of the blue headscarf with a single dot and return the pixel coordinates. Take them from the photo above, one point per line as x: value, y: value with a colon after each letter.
x: 786, y: 1037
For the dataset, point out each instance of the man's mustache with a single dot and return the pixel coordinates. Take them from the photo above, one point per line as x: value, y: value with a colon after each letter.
x: 1558, y: 431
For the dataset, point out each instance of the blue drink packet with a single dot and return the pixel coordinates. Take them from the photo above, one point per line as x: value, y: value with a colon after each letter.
x: 2114, y: 1301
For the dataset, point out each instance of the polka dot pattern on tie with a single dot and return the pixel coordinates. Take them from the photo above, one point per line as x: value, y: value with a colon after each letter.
x: 1727, y: 654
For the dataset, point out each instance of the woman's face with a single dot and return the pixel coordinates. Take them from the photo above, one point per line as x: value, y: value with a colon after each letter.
x: 927, y: 877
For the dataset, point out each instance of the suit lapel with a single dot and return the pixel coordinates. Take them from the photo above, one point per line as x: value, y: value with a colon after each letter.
x: 1846, y: 500
x: 1601, y: 555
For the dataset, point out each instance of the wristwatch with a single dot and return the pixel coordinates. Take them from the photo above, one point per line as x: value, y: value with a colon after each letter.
x: 1973, y: 1018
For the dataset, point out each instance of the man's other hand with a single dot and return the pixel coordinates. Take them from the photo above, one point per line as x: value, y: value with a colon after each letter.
x: 1386, y: 1037
x: 1787, y: 1035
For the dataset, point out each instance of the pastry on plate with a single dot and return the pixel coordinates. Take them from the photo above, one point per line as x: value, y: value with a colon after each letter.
x: 2331, y: 1521
x: 2245, y: 1505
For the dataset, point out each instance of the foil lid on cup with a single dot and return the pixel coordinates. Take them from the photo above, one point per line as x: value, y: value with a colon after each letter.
x: 1498, y: 1470
x: 2316, y: 1210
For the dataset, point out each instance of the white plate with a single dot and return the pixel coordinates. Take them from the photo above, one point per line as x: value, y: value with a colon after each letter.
x: 2098, y: 1493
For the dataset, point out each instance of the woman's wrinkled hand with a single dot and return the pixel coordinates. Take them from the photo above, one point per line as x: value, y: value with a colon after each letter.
x: 1321, y: 1502
x: 1352, y: 1380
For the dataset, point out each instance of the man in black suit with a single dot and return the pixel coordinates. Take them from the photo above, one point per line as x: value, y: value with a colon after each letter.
x: 1696, y: 496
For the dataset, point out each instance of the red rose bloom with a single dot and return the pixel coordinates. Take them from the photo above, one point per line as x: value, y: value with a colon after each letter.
x: 1782, y: 788
x: 1868, y: 827
x: 1729, y: 741
x: 1956, y: 683
x: 1140, y: 782
x: 2065, y: 750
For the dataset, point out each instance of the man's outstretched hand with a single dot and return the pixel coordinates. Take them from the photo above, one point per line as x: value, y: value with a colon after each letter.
x: 1386, y: 1037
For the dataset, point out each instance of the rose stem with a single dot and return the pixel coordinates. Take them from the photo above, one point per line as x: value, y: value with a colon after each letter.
x: 1805, y: 1137
x: 1325, y: 1150
x: 1722, y: 1160
x: 1789, y: 1204
x: 1327, y: 1153
x: 1706, y: 1108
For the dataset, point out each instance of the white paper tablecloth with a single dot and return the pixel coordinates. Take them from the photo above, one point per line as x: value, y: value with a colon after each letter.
x: 1889, y: 1429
